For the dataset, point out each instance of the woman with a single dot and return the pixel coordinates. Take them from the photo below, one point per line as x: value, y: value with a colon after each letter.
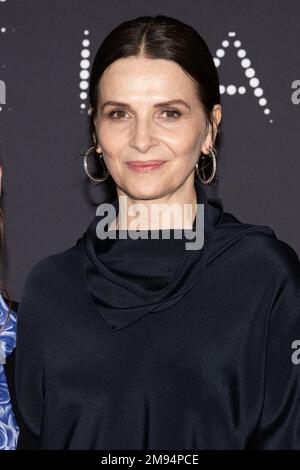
x: 141, y: 343
x: 9, y: 429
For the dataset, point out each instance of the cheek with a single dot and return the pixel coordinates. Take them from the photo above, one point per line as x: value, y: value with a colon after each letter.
x: 184, y: 146
x: 112, y: 143
x: 106, y: 131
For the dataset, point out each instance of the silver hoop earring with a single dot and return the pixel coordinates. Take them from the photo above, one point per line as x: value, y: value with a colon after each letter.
x: 85, y: 164
x: 214, y: 163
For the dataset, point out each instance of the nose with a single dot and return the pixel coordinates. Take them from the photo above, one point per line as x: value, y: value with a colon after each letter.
x: 142, y: 138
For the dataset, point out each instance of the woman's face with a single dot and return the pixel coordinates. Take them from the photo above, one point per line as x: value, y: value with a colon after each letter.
x: 141, y: 128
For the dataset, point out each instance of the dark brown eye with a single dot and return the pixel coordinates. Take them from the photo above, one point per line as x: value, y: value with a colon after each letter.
x: 112, y: 113
x: 172, y: 113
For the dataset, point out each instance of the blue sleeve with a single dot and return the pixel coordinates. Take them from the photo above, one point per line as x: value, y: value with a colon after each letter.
x: 9, y: 429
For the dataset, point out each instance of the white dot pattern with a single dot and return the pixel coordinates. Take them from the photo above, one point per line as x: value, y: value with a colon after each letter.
x: 249, y: 72
x: 84, y: 73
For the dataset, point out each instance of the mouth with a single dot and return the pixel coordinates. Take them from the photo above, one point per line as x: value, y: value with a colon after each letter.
x: 145, y: 166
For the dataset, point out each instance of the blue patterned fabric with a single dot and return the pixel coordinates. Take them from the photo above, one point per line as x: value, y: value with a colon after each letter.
x: 9, y: 430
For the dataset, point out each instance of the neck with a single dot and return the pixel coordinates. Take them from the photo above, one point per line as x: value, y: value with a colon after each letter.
x: 176, y: 210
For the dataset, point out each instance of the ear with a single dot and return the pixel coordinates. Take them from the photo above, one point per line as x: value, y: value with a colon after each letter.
x: 95, y: 138
x: 212, y: 132
x: 96, y: 142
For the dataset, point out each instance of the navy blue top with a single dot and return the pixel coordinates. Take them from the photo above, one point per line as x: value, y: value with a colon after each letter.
x: 125, y: 344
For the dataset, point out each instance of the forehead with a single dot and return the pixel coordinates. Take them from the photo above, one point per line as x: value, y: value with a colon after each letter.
x: 134, y: 76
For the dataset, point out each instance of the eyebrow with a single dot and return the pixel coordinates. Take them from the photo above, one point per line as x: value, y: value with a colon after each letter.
x: 157, y: 105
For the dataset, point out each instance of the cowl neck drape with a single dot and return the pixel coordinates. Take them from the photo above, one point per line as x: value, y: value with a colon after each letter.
x: 129, y: 278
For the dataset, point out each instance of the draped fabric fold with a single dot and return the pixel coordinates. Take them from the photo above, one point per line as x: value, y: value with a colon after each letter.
x: 129, y: 278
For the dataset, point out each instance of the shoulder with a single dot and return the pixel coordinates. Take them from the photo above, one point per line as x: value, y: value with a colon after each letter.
x: 8, y: 321
x: 53, y: 268
x: 273, y: 252
x: 54, y: 276
x: 8, y: 310
x: 256, y: 246
x: 8, y: 304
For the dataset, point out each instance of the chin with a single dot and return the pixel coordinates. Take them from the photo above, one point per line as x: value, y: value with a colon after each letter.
x: 143, y: 190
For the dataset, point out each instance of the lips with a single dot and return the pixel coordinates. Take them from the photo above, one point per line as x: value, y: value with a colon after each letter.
x: 145, y: 162
x: 143, y: 166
